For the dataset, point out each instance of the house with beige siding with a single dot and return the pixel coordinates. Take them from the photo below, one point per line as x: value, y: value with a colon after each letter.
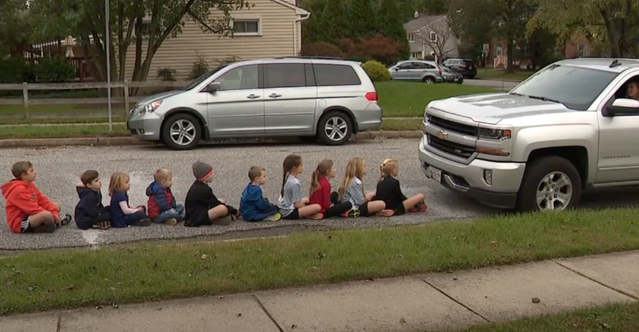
x: 271, y: 28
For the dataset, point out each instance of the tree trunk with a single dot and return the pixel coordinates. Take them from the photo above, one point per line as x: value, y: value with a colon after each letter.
x: 612, y: 33
x: 510, y: 52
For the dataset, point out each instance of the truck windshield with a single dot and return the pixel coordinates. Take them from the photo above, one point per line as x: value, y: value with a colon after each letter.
x: 575, y: 87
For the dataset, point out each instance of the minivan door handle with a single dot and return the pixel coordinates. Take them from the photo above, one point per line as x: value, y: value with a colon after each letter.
x: 252, y: 96
x: 274, y: 95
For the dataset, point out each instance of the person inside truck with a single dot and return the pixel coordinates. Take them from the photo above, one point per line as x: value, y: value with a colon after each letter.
x: 633, y: 90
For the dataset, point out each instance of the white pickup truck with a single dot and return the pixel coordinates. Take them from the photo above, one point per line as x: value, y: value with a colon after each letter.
x: 571, y: 126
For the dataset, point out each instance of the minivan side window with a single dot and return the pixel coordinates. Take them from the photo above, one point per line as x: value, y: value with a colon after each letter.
x: 284, y: 75
x: 335, y: 75
x: 240, y: 78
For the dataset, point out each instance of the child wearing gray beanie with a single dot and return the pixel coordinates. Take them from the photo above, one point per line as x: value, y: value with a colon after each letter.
x: 201, y: 205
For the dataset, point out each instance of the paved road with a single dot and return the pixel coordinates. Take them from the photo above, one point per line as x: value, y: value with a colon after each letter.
x: 507, y: 85
x: 59, y: 169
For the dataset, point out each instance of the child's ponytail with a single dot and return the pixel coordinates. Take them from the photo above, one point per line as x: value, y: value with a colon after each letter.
x: 314, y: 182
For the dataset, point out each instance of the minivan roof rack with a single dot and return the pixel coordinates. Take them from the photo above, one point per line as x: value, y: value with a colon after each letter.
x: 311, y: 57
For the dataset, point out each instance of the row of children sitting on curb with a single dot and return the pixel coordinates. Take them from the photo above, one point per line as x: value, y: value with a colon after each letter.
x: 30, y: 211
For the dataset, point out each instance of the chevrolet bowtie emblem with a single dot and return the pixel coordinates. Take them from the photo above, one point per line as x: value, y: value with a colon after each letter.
x: 442, y: 134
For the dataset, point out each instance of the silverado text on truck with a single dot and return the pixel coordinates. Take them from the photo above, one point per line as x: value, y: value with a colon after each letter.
x: 572, y: 125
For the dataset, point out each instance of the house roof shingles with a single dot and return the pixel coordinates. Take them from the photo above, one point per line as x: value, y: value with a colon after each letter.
x: 421, y: 22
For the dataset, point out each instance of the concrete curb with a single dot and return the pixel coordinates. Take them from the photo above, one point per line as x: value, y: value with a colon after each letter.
x: 127, y: 140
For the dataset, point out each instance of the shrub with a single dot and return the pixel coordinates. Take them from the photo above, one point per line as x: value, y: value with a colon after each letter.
x: 376, y: 71
x: 200, y: 67
x: 166, y: 74
x: 12, y: 70
x: 321, y: 49
x: 55, y: 69
x: 380, y: 48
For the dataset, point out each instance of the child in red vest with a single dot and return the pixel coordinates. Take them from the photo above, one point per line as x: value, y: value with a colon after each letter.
x: 162, y: 207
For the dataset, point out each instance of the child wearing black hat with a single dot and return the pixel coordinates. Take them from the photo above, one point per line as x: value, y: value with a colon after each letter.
x: 201, y: 205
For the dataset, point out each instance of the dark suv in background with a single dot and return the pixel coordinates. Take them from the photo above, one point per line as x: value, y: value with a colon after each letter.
x: 464, y: 66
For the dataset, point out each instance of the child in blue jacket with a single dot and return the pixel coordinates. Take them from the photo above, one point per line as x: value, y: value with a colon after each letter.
x: 253, y: 206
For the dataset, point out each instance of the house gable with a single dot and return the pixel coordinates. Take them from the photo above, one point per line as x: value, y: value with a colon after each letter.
x: 298, y: 10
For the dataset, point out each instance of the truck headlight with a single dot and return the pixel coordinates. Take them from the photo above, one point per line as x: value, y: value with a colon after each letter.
x: 494, y: 134
x: 151, y: 107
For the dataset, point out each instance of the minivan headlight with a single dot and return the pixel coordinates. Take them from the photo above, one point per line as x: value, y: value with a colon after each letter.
x: 494, y: 134
x: 151, y: 107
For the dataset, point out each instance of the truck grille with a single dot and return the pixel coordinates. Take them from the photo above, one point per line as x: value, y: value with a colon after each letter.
x: 453, y: 148
x: 453, y: 126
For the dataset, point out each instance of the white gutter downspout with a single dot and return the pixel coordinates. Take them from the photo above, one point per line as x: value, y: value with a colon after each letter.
x: 302, y: 18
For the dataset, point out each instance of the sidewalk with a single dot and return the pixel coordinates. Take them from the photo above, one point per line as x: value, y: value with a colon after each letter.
x: 419, y: 303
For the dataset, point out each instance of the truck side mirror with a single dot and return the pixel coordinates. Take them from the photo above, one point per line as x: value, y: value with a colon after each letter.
x: 622, y: 106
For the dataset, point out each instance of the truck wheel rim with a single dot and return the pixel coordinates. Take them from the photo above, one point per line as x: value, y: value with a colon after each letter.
x: 182, y: 132
x: 336, y: 129
x: 554, y: 192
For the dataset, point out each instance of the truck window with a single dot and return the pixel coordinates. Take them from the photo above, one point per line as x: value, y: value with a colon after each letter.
x: 575, y: 87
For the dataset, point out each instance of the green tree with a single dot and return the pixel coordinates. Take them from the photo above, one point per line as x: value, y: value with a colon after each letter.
x: 86, y: 21
x: 311, y: 28
x: 361, y: 18
x: 432, y: 7
x: 620, y: 18
x: 14, y: 27
x: 482, y: 19
x: 391, y: 24
x: 334, y: 21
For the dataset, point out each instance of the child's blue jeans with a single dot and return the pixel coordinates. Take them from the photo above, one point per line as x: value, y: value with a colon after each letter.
x: 178, y: 213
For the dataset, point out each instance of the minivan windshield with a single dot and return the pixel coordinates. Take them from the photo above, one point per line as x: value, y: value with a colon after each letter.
x: 202, y: 78
x: 575, y: 87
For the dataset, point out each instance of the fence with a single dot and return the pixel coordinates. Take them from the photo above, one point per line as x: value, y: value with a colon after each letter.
x: 79, y: 62
x: 122, y: 95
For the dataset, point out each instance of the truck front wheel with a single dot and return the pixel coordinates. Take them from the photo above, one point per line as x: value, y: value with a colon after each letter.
x: 550, y: 184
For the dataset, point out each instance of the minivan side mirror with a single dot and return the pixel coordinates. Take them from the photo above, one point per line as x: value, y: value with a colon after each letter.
x: 213, y: 87
x: 622, y: 106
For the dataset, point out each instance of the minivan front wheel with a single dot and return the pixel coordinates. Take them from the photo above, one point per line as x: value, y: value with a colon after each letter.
x: 335, y: 128
x: 182, y: 132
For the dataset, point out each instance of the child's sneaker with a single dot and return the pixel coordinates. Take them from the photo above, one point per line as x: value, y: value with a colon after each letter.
x: 276, y: 217
x: 143, y: 223
x: 171, y: 222
x: 352, y: 213
x: 65, y: 221
x: 104, y: 225
x: 420, y: 207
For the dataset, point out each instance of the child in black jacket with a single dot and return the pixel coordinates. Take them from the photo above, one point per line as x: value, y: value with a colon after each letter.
x: 89, y: 212
x: 389, y: 191
x: 202, y: 207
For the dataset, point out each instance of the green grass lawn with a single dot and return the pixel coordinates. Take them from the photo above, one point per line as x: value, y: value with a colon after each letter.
x: 398, y: 99
x: 617, y: 317
x: 70, y: 278
x: 409, y: 99
x: 501, y: 74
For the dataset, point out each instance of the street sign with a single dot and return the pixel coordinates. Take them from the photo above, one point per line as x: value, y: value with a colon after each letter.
x: 485, y: 48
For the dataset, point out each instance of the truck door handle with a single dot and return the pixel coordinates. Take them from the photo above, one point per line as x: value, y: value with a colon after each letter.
x: 252, y: 96
x: 274, y: 95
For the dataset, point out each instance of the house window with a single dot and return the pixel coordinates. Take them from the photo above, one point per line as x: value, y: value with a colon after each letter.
x: 432, y: 36
x: 411, y: 37
x: 416, y: 55
x: 582, y: 50
x: 498, y: 50
x: 246, y: 27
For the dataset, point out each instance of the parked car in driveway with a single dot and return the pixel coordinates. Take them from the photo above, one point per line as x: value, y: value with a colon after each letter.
x: 466, y: 67
x: 416, y: 70
x: 450, y: 75
x: 312, y: 99
x: 571, y: 126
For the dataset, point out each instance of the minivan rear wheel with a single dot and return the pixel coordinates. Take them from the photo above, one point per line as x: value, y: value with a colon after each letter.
x: 181, y: 132
x: 335, y: 128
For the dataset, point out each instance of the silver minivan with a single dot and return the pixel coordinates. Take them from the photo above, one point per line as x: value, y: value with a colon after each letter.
x: 313, y: 99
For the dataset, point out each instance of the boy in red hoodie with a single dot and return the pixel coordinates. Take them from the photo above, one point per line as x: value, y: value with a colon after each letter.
x: 27, y: 209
